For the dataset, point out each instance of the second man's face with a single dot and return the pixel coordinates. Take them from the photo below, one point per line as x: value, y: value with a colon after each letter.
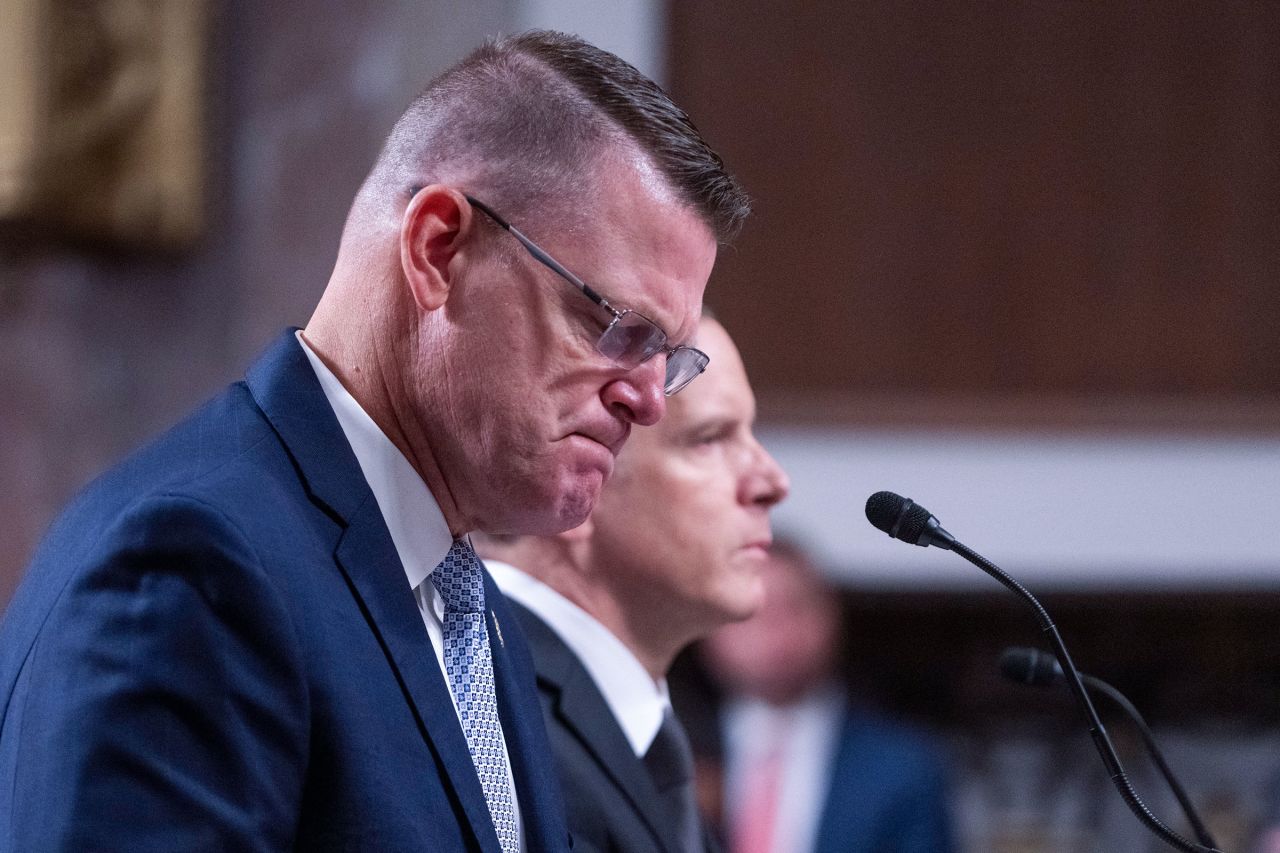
x: 682, y: 530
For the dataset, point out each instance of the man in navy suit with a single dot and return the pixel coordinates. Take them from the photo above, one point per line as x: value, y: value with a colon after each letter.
x: 267, y: 631
x: 804, y: 770
x: 673, y: 550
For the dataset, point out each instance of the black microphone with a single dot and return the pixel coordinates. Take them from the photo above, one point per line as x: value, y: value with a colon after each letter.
x: 904, y: 519
x: 1025, y: 665
x: 1035, y: 668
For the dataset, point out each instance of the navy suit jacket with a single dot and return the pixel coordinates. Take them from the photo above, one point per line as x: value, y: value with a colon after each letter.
x: 612, y: 803
x: 887, y: 792
x: 215, y: 648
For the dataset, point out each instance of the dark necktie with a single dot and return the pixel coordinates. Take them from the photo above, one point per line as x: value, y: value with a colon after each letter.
x: 469, y: 666
x: 670, y: 764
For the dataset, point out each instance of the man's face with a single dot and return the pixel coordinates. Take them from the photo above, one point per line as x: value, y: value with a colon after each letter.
x: 535, y: 413
x: 681, y: 531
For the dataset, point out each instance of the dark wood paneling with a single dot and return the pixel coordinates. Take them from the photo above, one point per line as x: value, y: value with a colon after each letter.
x: 1069, y: 201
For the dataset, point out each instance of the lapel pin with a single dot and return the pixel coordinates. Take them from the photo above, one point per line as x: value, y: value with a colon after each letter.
x: 497, y: 629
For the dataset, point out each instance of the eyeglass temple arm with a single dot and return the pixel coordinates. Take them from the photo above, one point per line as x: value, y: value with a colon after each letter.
x: 541, y: 256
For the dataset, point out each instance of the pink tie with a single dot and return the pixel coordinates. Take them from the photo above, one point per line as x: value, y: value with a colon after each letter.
x: 754, y: 826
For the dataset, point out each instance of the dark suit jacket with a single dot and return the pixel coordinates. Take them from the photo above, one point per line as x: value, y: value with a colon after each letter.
x: 216, y: 648
x: 887, y: 792
x: 612, y: 803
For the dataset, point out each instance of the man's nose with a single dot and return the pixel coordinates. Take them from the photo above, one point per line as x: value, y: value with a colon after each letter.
x: 637, y: 395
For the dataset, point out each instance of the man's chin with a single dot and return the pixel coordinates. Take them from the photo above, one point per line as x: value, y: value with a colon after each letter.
x: 747, y: 598
x: 586, y: 455
x: 570, y: 506
x: 576, y: 505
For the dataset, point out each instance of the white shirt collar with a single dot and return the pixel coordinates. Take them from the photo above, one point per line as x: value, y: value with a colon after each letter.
x: 413, y: 517
x: 637, y: 702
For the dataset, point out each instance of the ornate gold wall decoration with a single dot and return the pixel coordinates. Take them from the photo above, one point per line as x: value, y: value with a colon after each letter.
x: 101, y: 113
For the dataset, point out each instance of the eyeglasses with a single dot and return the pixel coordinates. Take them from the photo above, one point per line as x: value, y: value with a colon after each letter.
x: 631, y: 338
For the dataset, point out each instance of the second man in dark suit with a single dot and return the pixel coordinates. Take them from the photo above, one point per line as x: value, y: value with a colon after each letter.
x: 673, y: 550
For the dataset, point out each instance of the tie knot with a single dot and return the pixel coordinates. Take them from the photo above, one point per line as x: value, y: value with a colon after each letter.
x: 458, y: 579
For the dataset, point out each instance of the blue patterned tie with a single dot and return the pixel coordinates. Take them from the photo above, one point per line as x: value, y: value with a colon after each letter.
x: 468, y: 664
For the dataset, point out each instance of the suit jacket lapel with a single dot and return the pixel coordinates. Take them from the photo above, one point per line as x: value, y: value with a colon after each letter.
x: 286, y: 389
x: 368, y: 558
x: 579, y: 705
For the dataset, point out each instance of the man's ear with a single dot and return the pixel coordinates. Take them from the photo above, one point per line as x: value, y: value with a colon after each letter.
x: 578, y: 534
x: 436, y: 222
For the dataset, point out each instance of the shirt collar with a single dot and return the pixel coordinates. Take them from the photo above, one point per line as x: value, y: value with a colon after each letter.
x: 752, y: 721
x: 637, y: 702
x: 413, y: 517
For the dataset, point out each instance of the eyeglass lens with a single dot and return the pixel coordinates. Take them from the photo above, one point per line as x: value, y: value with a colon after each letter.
x: 632, y: 339
x: 683, y: 366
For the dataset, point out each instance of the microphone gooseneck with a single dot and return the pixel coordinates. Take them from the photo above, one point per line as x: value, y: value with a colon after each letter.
x: 901, y: 518
x: 1035, y: 668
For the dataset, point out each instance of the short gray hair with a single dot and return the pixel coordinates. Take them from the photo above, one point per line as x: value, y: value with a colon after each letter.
x: 529, y: 116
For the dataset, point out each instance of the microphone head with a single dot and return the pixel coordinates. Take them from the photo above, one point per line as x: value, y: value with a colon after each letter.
x: 1029, y: 666
x: 902, y: 518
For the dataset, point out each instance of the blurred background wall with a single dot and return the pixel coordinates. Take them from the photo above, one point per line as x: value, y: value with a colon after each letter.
x: 1017, y: 261
x: 1026, y: 253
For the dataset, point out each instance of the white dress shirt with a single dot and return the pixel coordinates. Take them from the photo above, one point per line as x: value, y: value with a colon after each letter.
x: 806, y: 734
x: 412, y: 515
x: 636, y: 700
